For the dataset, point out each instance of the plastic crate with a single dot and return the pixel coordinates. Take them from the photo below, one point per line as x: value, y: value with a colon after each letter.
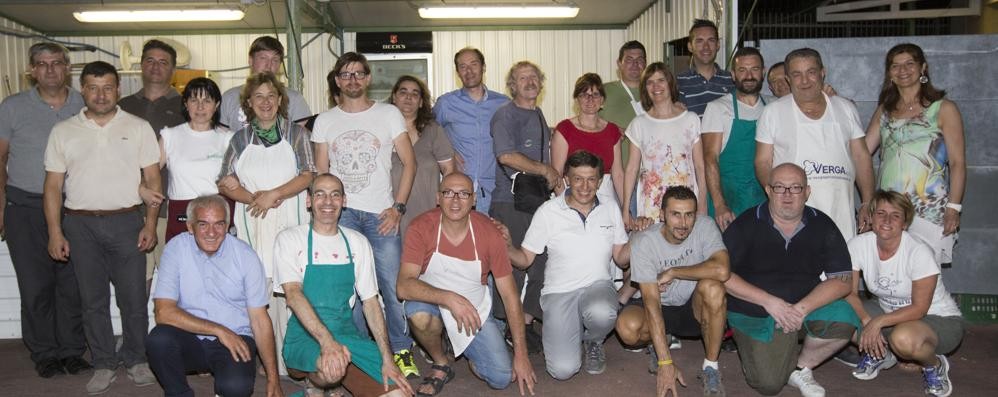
x: 979, y: 308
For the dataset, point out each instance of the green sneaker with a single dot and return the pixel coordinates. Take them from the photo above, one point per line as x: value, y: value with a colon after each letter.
x: 403, y: 359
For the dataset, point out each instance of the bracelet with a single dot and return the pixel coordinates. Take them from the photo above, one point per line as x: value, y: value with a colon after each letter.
x: 957, y: 207
x: 662, y: 363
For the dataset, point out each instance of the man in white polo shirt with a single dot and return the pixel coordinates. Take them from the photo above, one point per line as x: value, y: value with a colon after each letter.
x: 578, y: 299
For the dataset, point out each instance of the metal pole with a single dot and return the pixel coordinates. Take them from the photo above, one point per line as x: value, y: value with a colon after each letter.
x: 293, y: 64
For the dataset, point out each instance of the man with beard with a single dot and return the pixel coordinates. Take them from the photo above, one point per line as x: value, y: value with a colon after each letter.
x: 319, y: 267
x: 821, y: 134
x: 465, y: 114
x: 520, y: 138
x: 779, y: 250
x: 705, y: 81
x: 729, y: 141
x: 355, y: 141
x: 97, y: 160
x: 580, y: 235
x: 680, y: 265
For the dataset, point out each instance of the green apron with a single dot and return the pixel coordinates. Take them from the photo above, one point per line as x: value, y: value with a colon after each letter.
x: 762, y: 328
x: 737, y: 166
x: 328, y: 288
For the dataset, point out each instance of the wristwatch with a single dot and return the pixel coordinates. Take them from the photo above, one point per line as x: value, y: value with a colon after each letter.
x: 400, y: 207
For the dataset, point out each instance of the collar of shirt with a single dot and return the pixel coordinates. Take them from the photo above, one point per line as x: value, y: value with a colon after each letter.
x: 141, y: 95
x: 563, y: 204
x: 82, y: 116
x: 202, y: 256
x: 463, y: 94
x: 762, y: 213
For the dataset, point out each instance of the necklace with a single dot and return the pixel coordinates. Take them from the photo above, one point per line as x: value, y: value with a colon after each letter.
x: 911, y: 105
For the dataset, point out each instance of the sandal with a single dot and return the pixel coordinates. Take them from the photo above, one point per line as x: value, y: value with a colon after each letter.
x: 436, y: 383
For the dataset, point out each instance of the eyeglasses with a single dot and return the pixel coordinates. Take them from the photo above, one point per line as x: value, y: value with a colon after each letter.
x: 463, y: 195
x: 591, y: 95
x: 349, y: 75
x: 780, y: 189
x: 49, y: 65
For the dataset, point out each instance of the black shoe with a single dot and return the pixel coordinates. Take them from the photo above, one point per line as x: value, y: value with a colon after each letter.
x: 849, y: 356
x: 48, y: 368
x: 728, y: 345
x: 534, y: 341
x: 75, y: 365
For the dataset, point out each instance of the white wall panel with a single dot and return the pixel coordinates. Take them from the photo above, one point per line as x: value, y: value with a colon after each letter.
x: 563, y: 56
x: 660, y: 24
x: 13, y: 58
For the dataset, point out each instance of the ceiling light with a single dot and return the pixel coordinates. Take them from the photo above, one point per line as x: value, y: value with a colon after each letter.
x: 498, y: 11
x: 224, y: 14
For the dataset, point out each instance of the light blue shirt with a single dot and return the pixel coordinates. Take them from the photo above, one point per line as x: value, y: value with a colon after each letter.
x: 467, y: 124
x: 220, y: 288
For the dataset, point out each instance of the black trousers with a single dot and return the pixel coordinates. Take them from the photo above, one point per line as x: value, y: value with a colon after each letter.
x: 517, y: 222
x: 174, y: 352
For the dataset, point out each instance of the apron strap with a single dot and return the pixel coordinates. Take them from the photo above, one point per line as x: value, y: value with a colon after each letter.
x: 440, y: 230
x: 734, y: 104
x: 342, y: 235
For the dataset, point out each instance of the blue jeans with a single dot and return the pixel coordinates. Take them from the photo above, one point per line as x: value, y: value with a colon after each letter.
x: 483, y: 200
x: 387, y: 255
x: 487, y: 352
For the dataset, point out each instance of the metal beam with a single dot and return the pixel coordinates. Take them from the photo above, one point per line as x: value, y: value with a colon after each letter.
x: 293, y: 65
x: 852, y: 11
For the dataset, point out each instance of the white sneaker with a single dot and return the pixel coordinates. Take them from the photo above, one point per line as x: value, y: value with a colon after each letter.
x: 141, y: 375
x: 804, y: 381
x: 101, y: 381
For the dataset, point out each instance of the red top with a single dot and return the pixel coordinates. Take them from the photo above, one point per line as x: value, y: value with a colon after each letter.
x: 598, y: 143
x: 421, y: 242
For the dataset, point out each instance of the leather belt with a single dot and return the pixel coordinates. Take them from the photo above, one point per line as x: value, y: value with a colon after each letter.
x: 102, y: 212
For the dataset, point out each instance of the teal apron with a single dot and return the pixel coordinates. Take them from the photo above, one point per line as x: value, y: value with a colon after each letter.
x: 739, y: 186
x: 328, y: 287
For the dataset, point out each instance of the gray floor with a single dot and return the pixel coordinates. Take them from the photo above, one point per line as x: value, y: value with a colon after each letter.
x: 974, y: 373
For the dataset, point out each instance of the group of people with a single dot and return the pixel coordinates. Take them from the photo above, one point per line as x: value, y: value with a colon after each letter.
x: 686, y: 205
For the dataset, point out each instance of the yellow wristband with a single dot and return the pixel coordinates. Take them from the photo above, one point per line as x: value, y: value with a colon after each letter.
x: 662, y: 363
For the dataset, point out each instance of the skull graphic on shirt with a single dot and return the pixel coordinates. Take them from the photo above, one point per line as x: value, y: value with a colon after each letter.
x: 355, y: 155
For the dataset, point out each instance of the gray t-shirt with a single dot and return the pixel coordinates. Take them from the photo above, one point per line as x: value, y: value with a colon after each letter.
x: 651, y: 254
x: 515, y: 129
x: 232, y: 112
x: 25, y: 123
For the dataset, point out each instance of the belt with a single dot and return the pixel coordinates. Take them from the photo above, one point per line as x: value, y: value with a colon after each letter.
x: 102, y: 212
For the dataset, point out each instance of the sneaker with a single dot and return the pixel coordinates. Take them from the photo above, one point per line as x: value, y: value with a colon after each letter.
x: 48, y: 367
x: 141, y: 375
x: 710, y: 378
x: 728, y: 345
x: 937, y: 378
x: 403, y: 359
x: 534, y: 342
x: 75, y: 365
x: 869, y: 367
x: 595, y: 357
x: 804, y: 381
x: 101, y: 381
x: 849, y: 356
x: 674, y: 342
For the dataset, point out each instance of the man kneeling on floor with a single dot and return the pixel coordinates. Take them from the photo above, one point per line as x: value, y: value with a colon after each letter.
x: 579, y: 300
x: 446, y: 258
x: 318, y: 268
x: 211, y: 308
x: 680, y: 265
x: 779, y: 250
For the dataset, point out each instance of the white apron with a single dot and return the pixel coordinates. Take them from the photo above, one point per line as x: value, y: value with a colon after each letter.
x: 464, y: 278
x: 636, y: 104
x: 264, y: 168
x: 823, y: 153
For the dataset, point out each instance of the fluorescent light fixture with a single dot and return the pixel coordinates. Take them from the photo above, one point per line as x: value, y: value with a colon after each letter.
x: 498, y: 11
x: 223, y: 14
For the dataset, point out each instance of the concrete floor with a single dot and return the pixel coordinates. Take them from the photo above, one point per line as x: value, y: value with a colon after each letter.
x: 974, y: 372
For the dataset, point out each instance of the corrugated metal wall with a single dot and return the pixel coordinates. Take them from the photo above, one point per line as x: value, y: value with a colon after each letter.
x: 669, y: 20
x: 14, y: 60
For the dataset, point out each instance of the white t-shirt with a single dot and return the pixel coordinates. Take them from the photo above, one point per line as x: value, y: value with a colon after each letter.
x: 890, y: 280
x: 290, y: 258
x: 194, y: 159
x: 720, y: 113
x: 781, y: 120
x: 360, y: 152
x: 579, y: 252
x: 666, y: 157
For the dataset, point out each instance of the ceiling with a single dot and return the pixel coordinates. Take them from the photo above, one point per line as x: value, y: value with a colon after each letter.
x: 55, y: 17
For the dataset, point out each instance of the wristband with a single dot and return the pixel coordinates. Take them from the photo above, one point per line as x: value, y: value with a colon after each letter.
x: 957, y: 207
x: 662, y: 363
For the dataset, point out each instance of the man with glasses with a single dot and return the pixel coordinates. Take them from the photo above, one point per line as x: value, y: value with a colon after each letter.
x: 266, y: 55
x: 51, y: 324
x: 161, y: 105
x: 778, y: 252
x: 821, y: 134
x: 355, y: 141
x: 449, y: 253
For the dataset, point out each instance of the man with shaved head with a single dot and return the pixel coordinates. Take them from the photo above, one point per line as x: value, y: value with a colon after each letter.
x: 446, y: 259
x: 778, y: 251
